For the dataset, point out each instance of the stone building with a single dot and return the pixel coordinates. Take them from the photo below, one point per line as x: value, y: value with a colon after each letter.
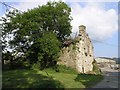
x: 107, y: 63
x: 79, y: 53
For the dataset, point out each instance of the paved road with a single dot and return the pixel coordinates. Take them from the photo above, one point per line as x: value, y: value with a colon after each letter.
x: 110, y: 79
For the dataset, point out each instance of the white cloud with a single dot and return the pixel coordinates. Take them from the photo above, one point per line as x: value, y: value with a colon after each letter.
x: 29, y: 0
x: 62, y: 0
x: 100, y: 23
x: 24, y: 5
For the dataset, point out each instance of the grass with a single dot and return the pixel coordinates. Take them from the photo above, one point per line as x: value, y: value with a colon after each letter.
x: 48, y: 78
x: 88, y: 79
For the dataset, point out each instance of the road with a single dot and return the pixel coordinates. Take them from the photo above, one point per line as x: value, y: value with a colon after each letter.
x: 110, y: 78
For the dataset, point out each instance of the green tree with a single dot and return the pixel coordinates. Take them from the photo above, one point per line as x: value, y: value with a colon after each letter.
x: 28, y: 28
x: 8, y: 56
x: 46, y: 49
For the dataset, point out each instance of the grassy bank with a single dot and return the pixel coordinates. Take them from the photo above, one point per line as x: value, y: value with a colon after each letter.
x: 48, y: 78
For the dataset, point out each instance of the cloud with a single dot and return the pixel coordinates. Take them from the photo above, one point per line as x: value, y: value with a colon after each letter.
x: 61, y: 0
x: 101, y: 24
x: 24, y: 5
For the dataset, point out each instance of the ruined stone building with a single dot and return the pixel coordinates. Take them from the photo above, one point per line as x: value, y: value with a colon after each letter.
x: 78, y: 54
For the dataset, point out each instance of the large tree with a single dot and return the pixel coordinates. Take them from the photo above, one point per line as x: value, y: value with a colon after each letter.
x: 45, y: 50
x: 29, y: 27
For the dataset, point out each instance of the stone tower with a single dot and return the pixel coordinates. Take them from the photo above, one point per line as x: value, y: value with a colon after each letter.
x: 82, y: 29
x: 84, y: 54
x: 79, y: 55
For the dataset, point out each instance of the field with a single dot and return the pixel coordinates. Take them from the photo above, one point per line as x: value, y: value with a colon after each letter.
x: 48, y: 78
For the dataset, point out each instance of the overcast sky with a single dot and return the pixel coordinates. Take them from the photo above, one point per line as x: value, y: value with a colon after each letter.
x: 100, y: 19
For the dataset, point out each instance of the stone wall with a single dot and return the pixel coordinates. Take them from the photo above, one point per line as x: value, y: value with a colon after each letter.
x: 78, y: 55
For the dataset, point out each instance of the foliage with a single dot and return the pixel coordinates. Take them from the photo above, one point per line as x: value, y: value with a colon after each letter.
x: 74, y: 47
x: 65, y: 69
x: 36, y: 66
x: 96, y: 69
x: 26, y: 32
x: 61, y: 69
x: 8, y: 57
x: 46, y: 49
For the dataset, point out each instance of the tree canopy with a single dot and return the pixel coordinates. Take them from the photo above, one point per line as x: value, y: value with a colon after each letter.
x: 41, y: 28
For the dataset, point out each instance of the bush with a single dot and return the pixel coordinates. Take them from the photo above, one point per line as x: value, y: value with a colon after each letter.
x: 46, y: 50
x: 36, y: 66
x: 26, y: 64
x: 96, y: 69
x: 65, y: 69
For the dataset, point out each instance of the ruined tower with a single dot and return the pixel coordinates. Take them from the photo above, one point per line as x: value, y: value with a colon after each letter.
x: 82, y: 29
x: 80, y: 54
x: 84, y: 53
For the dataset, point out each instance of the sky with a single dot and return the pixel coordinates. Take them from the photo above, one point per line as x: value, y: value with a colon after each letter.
x: 99, y: 17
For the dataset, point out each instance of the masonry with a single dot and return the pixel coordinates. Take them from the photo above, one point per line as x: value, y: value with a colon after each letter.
x: 78, y: 55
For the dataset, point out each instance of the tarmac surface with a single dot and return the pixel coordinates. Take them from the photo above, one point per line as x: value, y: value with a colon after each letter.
x: 110, y: 79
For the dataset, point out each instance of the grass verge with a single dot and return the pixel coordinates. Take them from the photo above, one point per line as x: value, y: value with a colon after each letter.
x: 48, y: 78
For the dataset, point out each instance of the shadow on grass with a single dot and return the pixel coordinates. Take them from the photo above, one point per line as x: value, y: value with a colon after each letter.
x: 88, y: 79
x: 28, y: 79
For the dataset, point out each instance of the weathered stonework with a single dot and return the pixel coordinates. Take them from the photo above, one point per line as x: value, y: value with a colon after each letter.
x: 79, y: 55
